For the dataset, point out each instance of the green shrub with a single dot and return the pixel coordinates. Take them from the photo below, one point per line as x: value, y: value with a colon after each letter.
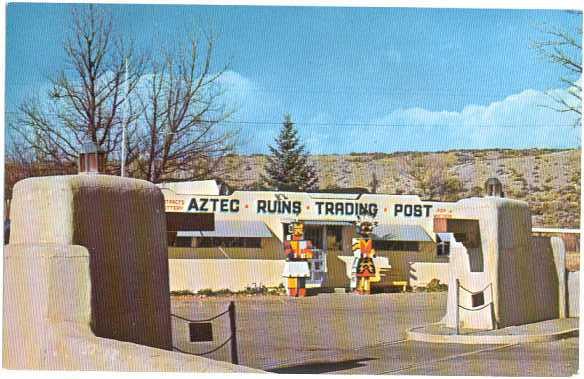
x: 255, y: 290
x: 434, y: 285
x: 181, y: 293
x: 476, y: 191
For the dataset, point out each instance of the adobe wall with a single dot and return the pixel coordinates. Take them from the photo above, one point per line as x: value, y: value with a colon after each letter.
x: 233, y: 268
x: 47, y: 292
x: 573, y: 279
x: 417, y: 268
x: 523, y: 271
x: 122, y: 224
x: 87, y: 259
x: 216, y: 274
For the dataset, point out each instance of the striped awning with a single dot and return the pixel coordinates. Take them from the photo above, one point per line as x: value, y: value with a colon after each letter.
x: 396, y: 232
x: 232, y: 228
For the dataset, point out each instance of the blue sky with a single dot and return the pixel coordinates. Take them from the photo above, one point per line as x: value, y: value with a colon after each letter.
x: 354, y: 79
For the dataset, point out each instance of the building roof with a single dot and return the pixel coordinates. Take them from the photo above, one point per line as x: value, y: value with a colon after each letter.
x: 232, y: 228
x: 200, y: 187
x: 397, y: 232
x: 556, y: 230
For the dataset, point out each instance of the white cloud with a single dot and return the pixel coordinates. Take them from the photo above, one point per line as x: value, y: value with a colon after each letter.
x: 518, y: 121
x: 251, y: 103
x: 236, y: 86
x: 521, y: 120
x: 527, y: 108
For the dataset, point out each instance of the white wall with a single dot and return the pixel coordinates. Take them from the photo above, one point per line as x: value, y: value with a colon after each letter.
x: 216, y: 274
x: 573, y: 294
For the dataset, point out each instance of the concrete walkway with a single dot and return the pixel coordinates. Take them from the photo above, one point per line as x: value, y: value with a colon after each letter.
x: 549, y: 330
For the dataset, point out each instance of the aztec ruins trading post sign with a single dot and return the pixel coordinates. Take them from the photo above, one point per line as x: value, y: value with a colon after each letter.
x: 222, y: 204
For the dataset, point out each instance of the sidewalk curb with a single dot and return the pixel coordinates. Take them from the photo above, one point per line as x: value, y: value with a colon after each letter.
x: 414, y: 335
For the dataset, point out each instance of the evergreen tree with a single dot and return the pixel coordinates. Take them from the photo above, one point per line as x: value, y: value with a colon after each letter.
x: 288, y: 168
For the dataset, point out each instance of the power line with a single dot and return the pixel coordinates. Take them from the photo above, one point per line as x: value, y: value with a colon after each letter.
x: 370, y: 90
x: 360, y: 124
x: 367, y: 124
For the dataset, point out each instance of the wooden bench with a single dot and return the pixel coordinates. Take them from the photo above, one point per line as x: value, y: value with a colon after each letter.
x: 400, y: 283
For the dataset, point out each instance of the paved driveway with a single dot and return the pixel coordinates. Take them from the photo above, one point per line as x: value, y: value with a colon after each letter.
x: 352, y: 334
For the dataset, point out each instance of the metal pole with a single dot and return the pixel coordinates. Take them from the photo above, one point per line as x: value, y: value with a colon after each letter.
x: 493, y: 309
x: 124, y: 121
x: 457, y: 316
x: 234, y: 358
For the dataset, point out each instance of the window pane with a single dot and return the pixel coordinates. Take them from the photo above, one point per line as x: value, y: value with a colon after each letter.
x: 334, y: 237
x: 443, y: 248
x: 397, y: 245
x: 249, y: 242
x: 182, y: 242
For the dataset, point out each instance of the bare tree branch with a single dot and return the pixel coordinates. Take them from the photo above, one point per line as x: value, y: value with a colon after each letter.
x: 182, y: 136
x: 565, y: 49
x: 87, y: 97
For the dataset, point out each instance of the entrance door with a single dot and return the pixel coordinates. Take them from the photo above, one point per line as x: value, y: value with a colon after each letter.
x: 315, y: 233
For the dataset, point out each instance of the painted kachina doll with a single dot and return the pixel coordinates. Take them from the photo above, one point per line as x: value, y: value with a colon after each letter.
x: 363, y: 252
x: 298, y: 251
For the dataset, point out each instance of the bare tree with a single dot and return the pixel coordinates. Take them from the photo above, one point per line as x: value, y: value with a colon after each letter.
x: 564, y: 48
x: 431, y: 175
x: 87, y: 97
x: 172, y: 113
x: 182, y: 136
x: 22, y: 162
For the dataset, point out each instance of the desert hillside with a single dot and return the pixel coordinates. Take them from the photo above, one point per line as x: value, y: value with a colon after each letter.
x: 549, y: 180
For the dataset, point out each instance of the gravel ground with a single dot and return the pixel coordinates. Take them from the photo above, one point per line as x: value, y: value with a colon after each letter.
x: 352, y: 334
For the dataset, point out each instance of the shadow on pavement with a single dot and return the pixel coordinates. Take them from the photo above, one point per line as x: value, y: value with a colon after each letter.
x: 321, y: 367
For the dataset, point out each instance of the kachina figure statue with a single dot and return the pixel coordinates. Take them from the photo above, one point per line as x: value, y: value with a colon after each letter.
x: 298, y: 251
x: 363, y: 253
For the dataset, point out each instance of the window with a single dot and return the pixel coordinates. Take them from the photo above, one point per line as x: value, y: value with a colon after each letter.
x: 313, y: 233
x: 443, y: 248
x: 396, y: 245
x: 334, y: 237
x: 478, y: 299
x: 183, y: 242
x: 461, y: 237
x: 249, y: 242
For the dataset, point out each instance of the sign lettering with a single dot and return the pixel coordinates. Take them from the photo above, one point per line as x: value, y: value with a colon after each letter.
x: 283, y: 206
x: 411, y: 210
x: 328, y: 208
x: 213, y: 205
x: 279, y: 206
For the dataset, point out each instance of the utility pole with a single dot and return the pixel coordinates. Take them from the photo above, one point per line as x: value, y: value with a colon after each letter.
x: 125, y: 121
x: 234, y: 357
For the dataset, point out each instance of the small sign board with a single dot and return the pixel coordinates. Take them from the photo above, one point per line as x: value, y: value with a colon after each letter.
x: 201, y: 331
x: 478, y: 299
